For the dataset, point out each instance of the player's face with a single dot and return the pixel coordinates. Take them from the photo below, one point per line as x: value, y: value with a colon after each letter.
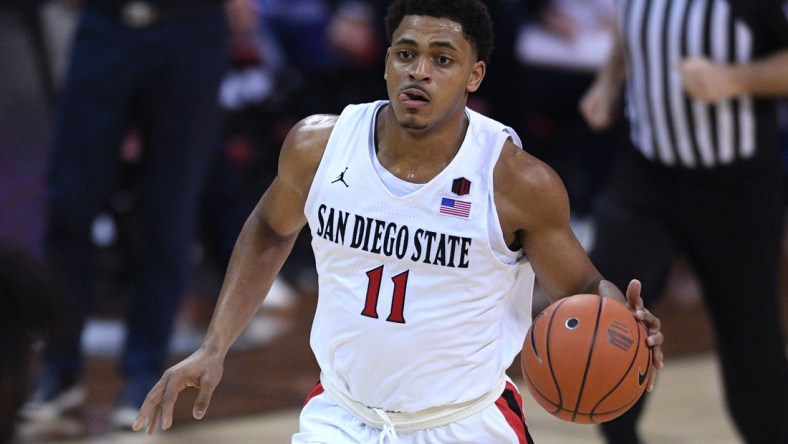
x: 430, y: 69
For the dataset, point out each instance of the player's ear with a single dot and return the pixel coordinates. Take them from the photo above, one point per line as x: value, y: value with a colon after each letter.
x: 475, y: 79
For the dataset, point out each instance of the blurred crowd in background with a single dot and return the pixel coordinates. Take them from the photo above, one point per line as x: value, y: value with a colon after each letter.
x: 289, y: 59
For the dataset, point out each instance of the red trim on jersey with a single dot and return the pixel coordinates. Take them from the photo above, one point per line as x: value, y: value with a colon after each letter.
x: 516, y: 422
x: 317, y: 391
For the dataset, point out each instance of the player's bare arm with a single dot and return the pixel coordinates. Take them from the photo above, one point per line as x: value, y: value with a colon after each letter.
x: 269, y: 233
x: 262, y: 247
x: 533, y: 209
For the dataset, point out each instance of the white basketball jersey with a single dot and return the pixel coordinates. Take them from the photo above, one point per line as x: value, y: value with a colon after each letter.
x: 421, y: 304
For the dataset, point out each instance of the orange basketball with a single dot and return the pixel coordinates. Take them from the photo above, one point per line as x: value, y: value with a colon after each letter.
x: 585, y: 359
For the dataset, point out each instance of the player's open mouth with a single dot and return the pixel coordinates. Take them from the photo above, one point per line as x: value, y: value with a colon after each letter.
x: 408, y: 96
x: 413, y: 96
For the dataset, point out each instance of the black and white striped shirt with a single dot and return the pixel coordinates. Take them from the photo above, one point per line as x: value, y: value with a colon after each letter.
x: 666, y: 125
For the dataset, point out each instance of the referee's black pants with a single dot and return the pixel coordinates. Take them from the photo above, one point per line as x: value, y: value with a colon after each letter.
x: 728, y: 223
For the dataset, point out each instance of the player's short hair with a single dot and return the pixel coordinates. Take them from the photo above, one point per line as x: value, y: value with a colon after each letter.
x: 471, y: 14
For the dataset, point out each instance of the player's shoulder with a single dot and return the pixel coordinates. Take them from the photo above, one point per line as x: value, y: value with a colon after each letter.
x: 312, y: 130
x: 517, y: 171
x: 309, y: 136
x: 528, y: 193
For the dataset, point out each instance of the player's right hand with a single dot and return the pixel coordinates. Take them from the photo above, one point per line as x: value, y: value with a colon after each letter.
x: 202, y: 370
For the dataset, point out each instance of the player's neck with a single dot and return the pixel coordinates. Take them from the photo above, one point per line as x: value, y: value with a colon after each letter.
x: 418, y: 155
x: 438, y: 140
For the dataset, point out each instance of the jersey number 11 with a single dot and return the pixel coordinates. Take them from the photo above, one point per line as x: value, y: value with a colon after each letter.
x: 397, y: 301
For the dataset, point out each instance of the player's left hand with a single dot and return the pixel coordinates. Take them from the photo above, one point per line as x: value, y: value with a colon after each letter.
x: 653, y: 328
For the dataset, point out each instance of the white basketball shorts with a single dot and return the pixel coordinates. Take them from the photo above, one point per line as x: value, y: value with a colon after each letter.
x: 322, y: 421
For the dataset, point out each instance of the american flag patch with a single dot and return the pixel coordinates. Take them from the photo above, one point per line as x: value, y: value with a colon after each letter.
x: 455, y: 207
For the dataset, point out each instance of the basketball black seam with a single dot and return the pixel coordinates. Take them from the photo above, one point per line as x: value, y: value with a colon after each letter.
x: 533, y: 335
x: 541, y: 393
x: 560, y: 400
x: 536, y: 353
x: 588, y: 360
x: 620, y: 381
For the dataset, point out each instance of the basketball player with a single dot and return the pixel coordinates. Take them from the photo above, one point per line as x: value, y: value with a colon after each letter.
x: 426, y: 250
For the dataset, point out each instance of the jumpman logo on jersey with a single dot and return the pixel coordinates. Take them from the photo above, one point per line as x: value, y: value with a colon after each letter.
x: 341, y: 178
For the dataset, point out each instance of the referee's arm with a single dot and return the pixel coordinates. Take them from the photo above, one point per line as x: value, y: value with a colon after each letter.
x: 708, y: 81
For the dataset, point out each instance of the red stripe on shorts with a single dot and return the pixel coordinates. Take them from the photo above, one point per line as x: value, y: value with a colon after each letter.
x: 515, y: 420
x: 315, y: 392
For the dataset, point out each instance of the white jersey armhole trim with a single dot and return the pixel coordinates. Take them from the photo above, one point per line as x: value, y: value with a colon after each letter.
x: 321, y: 167
x: 497, y: 242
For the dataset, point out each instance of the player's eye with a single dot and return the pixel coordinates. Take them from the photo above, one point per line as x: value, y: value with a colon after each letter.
x: 443, y: 60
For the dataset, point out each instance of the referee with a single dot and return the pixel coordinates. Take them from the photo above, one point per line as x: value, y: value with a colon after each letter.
x: 702, y: 179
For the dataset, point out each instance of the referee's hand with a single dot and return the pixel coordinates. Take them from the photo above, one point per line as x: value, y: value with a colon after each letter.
x: 708, y: 81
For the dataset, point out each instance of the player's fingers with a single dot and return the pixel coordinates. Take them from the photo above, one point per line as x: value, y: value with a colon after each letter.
x: 203, y: 398
x: 634, y: 301
x: 652, y: 381
x: 142, y: 418
x: 658, y: 357
x: 655, y: 337
x: 141, y: 421
x: 174, y: 386
x: 154, y: 421
x: 658, y: 364
x: 150, y: 405
x: 655, y: 340
x: 653, y: 324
